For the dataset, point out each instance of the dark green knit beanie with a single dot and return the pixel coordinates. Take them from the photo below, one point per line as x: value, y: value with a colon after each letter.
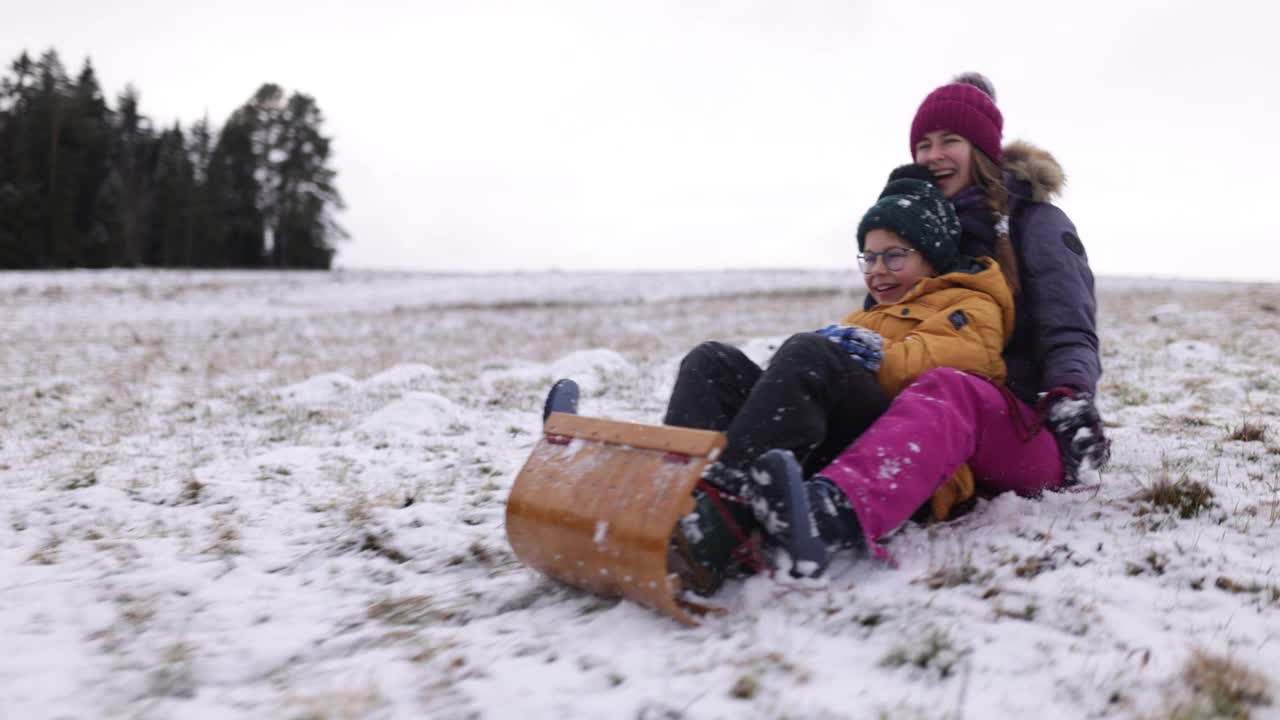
x: 917, y: 211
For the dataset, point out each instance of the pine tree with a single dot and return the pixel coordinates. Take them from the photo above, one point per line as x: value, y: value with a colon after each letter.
x: 263, y: 113
x: 206, y: 225
x: 54, y: 180
x: 232, y: 188
x: 131, y: 168
x: 94, y: 130
x: 17, y: 217
x: 274, y: 146
x: 304, y: 232
x: 169, y: 240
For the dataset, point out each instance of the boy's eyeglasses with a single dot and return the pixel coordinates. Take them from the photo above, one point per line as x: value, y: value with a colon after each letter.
x: 894, y: 258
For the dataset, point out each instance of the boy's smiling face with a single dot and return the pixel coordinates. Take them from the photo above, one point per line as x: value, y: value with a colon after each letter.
x: 885, y: 284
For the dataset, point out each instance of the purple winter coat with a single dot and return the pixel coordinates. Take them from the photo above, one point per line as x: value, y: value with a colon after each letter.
x: 1055, y: 339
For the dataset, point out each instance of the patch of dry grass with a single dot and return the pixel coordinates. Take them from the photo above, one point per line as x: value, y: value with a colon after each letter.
x: 1249, y: 431
x: 1221, y: 687
x: 47, y: 553
x: 933, y: 651
x: 190, y: 493
x: 378, y: 545
x: 173, y: 675
x: 1184, y: 496
x: 411, y: 610
x: 1269, y: 594
x: 964, y: 573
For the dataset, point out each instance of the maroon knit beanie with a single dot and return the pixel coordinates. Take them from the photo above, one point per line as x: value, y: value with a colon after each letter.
x: 962, y: 109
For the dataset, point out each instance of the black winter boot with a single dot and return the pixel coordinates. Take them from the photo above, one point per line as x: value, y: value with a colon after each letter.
x: 712, y: 543
x: 562, y: 398
x: 837, y: 523
x: 727, y: 480
x: 810, y: 520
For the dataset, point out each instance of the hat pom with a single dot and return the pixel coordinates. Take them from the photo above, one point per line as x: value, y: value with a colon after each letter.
x: 978, y: 80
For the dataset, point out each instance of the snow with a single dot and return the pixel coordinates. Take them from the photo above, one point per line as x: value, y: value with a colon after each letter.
x: 1191, y: 353
x: 239, y: 495
x: 806, y: 568
x: 890, y: 468
x: 408, y: 375
x: 319, y: 390
x: 416, y: 413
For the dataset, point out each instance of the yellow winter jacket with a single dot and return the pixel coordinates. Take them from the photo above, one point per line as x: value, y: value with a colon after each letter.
x: 960, y: 320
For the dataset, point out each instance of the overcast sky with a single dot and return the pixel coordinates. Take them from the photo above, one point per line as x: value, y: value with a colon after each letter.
x: 626, y: 134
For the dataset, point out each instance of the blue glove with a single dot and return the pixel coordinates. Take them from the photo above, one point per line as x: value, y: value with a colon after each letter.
x: 863, y: 345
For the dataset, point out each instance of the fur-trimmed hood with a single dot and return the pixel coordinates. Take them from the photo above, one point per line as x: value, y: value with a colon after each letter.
x: 1033, y: 171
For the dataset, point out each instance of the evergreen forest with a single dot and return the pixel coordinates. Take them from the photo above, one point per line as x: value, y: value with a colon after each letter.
x: 85, y: 184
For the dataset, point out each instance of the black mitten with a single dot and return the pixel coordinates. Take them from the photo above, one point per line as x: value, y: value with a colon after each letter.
x: 1073, y: 419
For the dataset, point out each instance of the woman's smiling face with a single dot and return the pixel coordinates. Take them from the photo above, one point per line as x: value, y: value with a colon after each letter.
x: 949, y: 157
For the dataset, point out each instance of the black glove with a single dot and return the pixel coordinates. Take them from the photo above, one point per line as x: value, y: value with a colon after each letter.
x: 1074, y: 421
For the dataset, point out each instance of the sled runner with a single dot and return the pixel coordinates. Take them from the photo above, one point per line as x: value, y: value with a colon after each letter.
x: 597, y: 501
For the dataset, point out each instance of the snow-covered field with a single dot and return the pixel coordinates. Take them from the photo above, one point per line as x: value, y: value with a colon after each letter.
x: 229, y: 495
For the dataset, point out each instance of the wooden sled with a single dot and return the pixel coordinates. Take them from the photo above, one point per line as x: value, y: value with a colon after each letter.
x: 597, y: 501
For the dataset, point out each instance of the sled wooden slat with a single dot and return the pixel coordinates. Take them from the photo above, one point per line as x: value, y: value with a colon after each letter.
x: 697, y: 443
x: 596, y: 503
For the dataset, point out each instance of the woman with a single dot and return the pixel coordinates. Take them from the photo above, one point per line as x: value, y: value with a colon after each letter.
x: 1033, y: 432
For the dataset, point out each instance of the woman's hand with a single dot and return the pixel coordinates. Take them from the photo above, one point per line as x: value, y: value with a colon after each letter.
x: 1073, y: 419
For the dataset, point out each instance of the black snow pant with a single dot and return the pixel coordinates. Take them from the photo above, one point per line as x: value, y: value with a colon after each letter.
x: 814, y: 399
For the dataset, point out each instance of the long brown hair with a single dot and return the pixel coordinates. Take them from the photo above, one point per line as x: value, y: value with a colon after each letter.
x: 988, y: 176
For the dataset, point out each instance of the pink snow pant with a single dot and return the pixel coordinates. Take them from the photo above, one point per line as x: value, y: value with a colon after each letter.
x: 938, y: 423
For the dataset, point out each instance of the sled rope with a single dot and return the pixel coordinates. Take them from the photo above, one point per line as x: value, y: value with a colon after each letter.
x: 746, y: 552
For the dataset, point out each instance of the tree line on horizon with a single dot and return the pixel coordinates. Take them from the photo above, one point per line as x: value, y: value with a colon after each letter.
x: 85, y: 185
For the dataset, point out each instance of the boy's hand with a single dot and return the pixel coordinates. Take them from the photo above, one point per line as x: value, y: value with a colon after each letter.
x: 863, y: 345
